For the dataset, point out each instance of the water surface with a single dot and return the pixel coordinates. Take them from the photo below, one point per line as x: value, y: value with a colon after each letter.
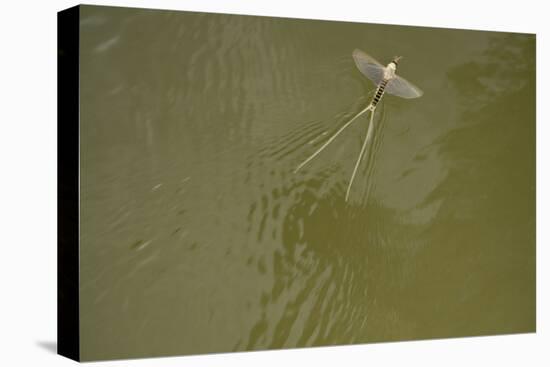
x: 196, y: 235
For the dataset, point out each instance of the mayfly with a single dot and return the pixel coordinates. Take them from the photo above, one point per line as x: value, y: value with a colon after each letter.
x: 386, y: 81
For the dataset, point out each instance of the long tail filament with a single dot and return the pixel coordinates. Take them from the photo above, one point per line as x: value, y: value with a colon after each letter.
x: 361, y: 154
x: 368, y: 108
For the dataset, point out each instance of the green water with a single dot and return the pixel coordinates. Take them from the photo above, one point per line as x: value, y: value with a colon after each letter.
x: 196, y: 235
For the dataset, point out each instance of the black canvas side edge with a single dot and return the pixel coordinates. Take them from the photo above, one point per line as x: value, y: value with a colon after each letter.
x: 68, y: 330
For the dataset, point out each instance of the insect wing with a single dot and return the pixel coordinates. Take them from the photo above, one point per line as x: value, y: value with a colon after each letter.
x: 403, y: 88
x: 367, y: 65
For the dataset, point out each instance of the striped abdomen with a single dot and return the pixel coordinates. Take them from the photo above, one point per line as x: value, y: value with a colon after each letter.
x: 379, y: 92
